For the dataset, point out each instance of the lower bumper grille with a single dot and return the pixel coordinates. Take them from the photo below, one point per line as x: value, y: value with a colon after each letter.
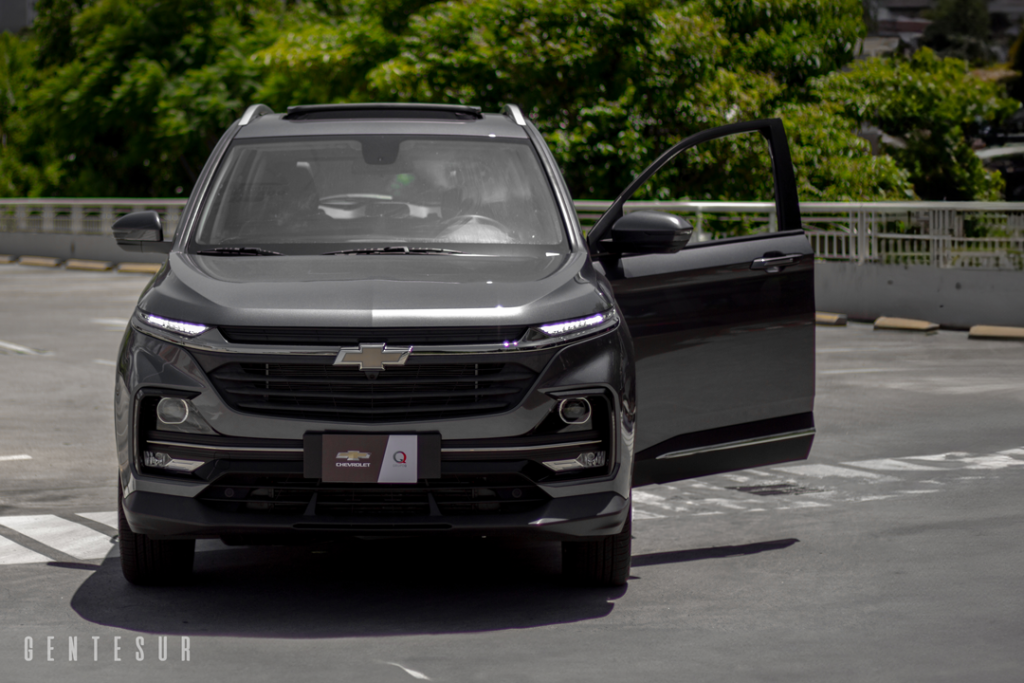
x: 292, y: 495
x: 344, y: 394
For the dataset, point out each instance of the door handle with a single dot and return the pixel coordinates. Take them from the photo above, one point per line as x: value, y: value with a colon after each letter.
x: 774, y: 264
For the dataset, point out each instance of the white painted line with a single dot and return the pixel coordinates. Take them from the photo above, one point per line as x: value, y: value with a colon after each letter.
x: 12, y: 553
x: 68, y: 537
x: 990, y: 462
x: 807, y: 504
x: 103, y: 361
x: 723, y: 502
x: 644, y: 514
x: 108, y: 518
x: 854, y: 372
x: 941, y: 457
x: 1012, y: 451
x: 832, y: 471
x: 889, y: 464
x: 415, y: 674
x: 119, y: 322
x: 15, y: 457
x: 18, y: 348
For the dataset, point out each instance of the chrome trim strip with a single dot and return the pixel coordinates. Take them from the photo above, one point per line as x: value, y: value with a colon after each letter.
x: 517, y: 449
x: 207, y: 447
x: 253, y: 112
x: 258, y: 449
x: 738, y: 444
x: 212, y: 341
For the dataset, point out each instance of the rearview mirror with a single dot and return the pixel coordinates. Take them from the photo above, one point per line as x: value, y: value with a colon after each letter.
x: 141, y: 231
x: 649, y: 232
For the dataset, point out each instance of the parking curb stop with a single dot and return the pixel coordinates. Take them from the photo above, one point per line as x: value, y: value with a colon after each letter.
x: 996, y: 332
x: 906, y: 325
x: 834, y: 319
x: 41, y: 261
x: 145, y: 268
x: 83, y: 264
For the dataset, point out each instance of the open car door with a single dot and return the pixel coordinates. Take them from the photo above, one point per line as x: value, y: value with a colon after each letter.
x: 723, y: 332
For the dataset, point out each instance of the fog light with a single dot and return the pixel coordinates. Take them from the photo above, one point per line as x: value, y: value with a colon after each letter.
x: 574, y: 411
x: 582, y: 461
x: 172, y: 411
x: 162, y: 461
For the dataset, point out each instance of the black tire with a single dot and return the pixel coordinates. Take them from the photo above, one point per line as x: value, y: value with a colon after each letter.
x: 600, y: 562
x: 148, y: 562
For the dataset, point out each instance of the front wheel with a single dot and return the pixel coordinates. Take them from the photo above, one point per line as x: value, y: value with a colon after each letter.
x: 601, y: 562
x: 148, y: 562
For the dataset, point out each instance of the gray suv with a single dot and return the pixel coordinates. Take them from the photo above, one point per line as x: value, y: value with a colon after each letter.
x: 382, y: 319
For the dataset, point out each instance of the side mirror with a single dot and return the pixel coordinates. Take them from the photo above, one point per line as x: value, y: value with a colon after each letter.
x: 649, y: 232
x: 141, y: 231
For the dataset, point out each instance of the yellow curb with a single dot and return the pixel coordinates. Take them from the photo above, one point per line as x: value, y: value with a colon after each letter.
x: 7, y: 258
x: 82, y: 264
x: 995, y: 332
x: 829, y: 318
x: 148, y: 268
x: 43, y: 261
x: 905, y: 324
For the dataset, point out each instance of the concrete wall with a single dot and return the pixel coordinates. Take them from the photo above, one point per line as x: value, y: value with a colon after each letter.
x: 951, y: 297
x: 91, y: 247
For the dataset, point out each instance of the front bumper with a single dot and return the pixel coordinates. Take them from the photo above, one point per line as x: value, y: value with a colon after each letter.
x: 175, y: 507
x: 574, y: 517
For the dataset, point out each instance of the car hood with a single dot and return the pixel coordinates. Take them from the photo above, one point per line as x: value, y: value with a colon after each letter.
x: 375, y: 290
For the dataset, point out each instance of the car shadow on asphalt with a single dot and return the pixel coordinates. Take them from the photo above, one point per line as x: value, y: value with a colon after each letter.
x: 362, y: 588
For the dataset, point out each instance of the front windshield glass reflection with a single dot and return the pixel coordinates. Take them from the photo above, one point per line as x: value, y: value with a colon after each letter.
x: 311, y: 196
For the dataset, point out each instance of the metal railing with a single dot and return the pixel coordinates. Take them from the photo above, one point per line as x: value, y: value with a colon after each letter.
x: 81, y: 216
x: 987, y: 235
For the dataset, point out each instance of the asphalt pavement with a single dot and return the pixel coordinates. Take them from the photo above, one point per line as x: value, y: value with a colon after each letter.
x: 895, y: 553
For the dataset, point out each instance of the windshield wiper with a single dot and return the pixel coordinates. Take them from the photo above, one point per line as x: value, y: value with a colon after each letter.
x: 239, y: 251
x: 395, y: 250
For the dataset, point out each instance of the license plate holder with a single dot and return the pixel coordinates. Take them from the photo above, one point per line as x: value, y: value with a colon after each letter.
x: 338, y: 457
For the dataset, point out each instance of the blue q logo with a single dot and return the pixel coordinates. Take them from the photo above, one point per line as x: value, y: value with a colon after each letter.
x: 399, y: 457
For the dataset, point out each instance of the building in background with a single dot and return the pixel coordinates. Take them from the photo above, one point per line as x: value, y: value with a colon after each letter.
x: 16, y: 14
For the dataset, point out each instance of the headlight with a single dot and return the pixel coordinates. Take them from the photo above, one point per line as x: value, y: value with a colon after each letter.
x: 571, y: 329
x: 177, y: 326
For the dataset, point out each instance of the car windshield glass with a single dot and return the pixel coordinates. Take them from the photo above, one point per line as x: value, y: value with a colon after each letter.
x: 313, y: 196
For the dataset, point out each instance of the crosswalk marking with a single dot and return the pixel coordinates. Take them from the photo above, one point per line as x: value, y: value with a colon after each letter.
x: 889, y: 464
x: 13, y: 553
x: 781, y: 487
x: 832, y: 471
x: 70, y: 538
x: 108, y: 518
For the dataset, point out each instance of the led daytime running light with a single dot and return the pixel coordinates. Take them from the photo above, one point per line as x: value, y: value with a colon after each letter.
x: 558, y: 329
x: 177, y: 326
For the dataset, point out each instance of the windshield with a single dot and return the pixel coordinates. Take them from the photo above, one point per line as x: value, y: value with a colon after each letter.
x: 432, y: 195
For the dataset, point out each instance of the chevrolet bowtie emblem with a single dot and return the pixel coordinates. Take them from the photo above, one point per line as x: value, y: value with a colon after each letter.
x: 352, y: 456
x: 373, y: 356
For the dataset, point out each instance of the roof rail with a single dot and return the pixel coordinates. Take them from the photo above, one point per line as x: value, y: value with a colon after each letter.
x: 360, y: 110
x: 254, y: 112
x: 515, y: 113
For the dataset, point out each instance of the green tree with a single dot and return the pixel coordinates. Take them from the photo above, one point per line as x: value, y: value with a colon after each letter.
x: 928, y: 102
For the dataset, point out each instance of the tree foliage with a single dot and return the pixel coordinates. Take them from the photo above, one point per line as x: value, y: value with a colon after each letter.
x: 127, y: 97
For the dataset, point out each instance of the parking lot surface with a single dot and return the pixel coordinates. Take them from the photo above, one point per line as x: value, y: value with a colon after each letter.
x: 894, y: 553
